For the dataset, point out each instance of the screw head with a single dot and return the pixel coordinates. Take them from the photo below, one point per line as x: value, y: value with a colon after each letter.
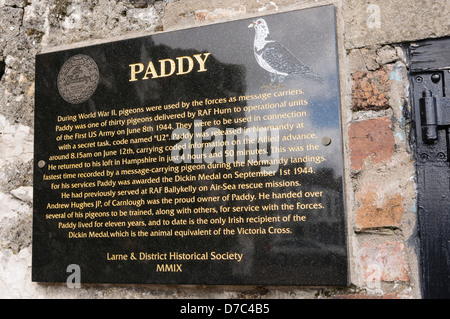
x: 419, y: 79
x: 424, y: 156
x: 436, y: 78
x: 326, y: 141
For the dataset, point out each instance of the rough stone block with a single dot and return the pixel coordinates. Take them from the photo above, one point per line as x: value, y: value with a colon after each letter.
x: 386, y: 54
x: 370, y: 57
x: 196, y: 12
x: 15, y: 3
x: 10, y: 21
x: 384, y: 262
x: 378, y: 208
x: 369, y: 22
x: 371, y: 90
x: 371, y: 140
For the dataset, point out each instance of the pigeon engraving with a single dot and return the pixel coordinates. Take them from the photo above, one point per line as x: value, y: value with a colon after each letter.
x: 276, y: 58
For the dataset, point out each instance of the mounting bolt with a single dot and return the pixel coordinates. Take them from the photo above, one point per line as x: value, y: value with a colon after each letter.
x: 41, y: 164
x: 419, y: 79
x: 326, y: 141
x: 424, y: 156
x: 435, y: 78
x: 441, y: 156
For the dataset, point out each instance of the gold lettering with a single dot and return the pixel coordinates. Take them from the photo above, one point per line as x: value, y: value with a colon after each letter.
x: 150, y: 70
x: 165, y: 70
x: 134, y: 71
x: 169, y: 268
x: 180, y: 65
x: 163, y: 67
x: 201, y: 61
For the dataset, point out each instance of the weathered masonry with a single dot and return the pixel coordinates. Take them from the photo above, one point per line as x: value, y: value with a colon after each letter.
x: 393, y: 97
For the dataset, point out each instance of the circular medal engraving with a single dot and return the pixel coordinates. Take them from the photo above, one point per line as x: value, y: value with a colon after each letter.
x: 78, y: 79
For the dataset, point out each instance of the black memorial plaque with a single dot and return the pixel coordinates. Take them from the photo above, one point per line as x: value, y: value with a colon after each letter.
x: 204, y: 156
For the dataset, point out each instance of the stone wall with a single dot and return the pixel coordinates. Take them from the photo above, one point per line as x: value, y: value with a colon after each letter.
x: 380, y: 176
